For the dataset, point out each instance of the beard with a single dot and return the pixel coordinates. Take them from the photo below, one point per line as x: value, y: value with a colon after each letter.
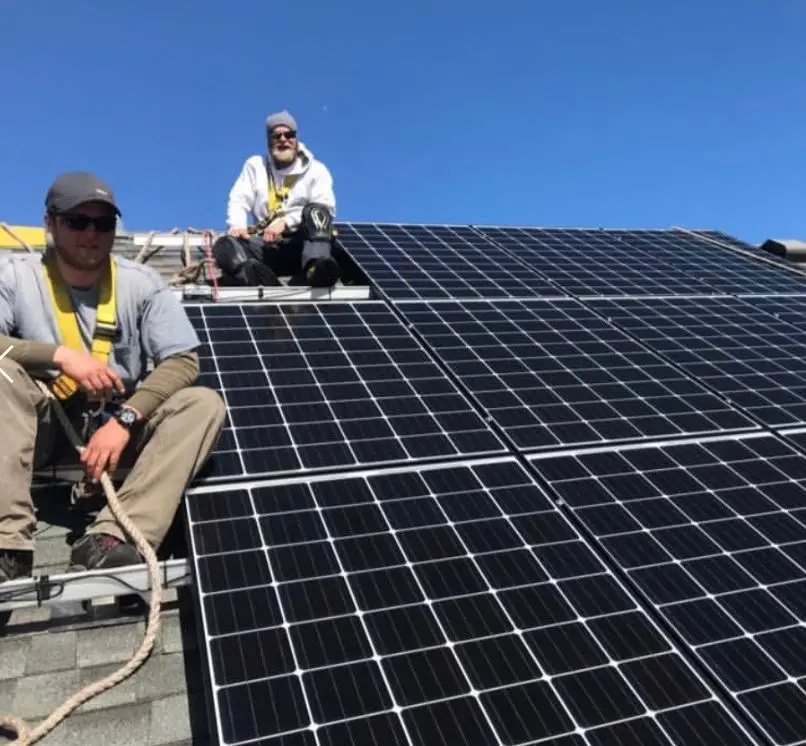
x: 283, y: 158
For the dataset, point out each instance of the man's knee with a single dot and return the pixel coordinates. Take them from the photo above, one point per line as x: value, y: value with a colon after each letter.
x: 205, y: 403
x: 317, y: 222
x: 229, y: 254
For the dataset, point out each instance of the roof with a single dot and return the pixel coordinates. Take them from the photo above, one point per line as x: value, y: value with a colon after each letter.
x: 46, y: 656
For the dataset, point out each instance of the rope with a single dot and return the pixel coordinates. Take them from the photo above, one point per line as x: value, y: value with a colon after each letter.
x: 27, y: 735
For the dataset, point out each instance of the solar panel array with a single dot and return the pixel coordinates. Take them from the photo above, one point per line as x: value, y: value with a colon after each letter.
x: 536, y: 492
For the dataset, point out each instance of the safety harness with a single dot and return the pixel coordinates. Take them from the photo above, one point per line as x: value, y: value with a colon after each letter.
x: 277, y: 195
x: 63, y: 386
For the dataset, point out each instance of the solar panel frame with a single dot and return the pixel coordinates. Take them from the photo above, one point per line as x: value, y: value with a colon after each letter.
x: 558, y: 375
x: 443, y: 689
x: 602, y: 263
x: 439, y: 261
x: 712, y: 533
x: 334, y: 385
x: 729, y: 344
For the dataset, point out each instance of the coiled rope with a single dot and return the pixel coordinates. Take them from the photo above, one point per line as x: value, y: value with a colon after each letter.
x: 26, y: 735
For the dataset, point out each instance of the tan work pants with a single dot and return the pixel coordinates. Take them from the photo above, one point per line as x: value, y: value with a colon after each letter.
x: 165, y: 452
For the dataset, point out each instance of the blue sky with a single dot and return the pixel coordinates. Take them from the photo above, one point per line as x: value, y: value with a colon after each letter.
x: 625, y: 113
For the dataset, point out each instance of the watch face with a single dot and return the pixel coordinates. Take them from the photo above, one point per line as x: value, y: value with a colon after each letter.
x: 127, y: 417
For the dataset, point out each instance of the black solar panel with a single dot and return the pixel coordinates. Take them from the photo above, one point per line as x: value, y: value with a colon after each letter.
x: 312, y: 386
x: 552, y: 373
x: 615, y: 262
x: 439, y: 607
x: 714, y: 535
x: 790, y: 308
x: 439, y: 262
x: 739, y: 350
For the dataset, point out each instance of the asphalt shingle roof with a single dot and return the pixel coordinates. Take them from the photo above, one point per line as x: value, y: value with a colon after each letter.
x: 49, y: 653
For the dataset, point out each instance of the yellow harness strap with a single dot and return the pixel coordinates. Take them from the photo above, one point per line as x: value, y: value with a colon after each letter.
x: 63, y: 386
x: 277, y: 195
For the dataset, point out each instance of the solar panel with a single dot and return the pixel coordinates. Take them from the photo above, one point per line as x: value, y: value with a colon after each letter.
x: 620, y: 262
x: 789, y: 308
x: 439, y: 262
x: 312, y: 386
x: 737, y: 244
x: 714, y: 536
x: 448, y: 605
x: 551, y: 373
x: 745, y: 354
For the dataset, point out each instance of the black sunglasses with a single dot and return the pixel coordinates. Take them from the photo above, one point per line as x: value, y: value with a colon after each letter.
x: 104, y: 224
x: 291, y: 135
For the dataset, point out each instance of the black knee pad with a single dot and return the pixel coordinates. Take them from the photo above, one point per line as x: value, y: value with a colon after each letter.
x: 317, y: 222
x: 230, y: 255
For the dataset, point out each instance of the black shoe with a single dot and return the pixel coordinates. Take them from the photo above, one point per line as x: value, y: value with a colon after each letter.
x: 15, y: 564
x: 323, y: 273
x: 96, y: 551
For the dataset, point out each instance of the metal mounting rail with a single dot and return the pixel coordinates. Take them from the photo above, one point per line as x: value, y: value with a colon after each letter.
x: 294, y: 292
x: 89, y: 585
x: 168, y: 240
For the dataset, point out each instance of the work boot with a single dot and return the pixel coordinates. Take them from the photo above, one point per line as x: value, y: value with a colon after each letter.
x: 97, y: 551
x: 323, y: 273
x: 15, y: 563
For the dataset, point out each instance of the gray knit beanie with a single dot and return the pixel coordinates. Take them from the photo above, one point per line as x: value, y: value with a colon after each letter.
x: 281, y: 118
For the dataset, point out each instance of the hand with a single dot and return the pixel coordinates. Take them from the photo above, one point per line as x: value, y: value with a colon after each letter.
x: 238, y: 233
x: 95, y: 377
x: 104, y: 448
x: 274, y: 231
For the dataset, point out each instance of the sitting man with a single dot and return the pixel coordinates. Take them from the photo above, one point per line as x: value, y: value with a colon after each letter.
x: 53, y: 308
x: 290, y: 196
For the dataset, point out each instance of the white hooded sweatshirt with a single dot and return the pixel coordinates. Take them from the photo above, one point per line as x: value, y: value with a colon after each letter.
x: 250, y: 192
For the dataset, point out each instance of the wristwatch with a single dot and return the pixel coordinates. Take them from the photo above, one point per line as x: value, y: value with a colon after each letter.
x: 126, y: 417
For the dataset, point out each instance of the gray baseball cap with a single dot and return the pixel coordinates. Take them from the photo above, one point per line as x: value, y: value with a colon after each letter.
x: 76, y: 187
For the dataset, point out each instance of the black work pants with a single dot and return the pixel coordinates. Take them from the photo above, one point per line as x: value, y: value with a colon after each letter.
x: 290, y: 256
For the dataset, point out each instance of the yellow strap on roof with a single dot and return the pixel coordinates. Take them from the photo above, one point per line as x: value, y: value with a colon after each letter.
x: 105, y: 321
x: 11, y: 235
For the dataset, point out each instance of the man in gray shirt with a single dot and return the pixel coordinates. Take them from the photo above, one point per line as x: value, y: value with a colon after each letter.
x: 87, y: 323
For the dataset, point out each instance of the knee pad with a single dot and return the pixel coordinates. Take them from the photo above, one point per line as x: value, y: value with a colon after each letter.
x: 230, y: 255
x: 317, y: 222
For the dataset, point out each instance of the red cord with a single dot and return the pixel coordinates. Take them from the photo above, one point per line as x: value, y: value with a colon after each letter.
x: 208, y: 253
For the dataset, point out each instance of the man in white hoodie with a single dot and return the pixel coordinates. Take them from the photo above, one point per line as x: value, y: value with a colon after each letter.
x: 289, y: 195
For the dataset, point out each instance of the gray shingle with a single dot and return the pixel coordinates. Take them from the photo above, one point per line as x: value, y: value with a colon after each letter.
x: 8, y: 690
x: 37, y: 696
x: 13, y: 653
x: 97, y: 647
x: 170, y: 720
x: 127, y: 726
x: 51, y: 652
x: 121, y: 694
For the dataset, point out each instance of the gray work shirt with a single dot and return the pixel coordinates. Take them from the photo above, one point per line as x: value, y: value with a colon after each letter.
x: 152, y: 324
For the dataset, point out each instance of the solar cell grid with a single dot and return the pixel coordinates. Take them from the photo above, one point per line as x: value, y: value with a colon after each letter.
x: 312, y: 386
x: 714, y: 534
x: 449, y: 605
x: 620, y: 262
x: 552, y: 373
x: 729, y: 344
x: 439, y: 262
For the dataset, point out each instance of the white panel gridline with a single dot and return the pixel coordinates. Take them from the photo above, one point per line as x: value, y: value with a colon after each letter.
x: 739, y: 350
x: 336, y: 385
x: 411, y: 261
x: 714, y: 534
x: 552, y: 373
x: 449, y: 605
x: 623, y: 262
